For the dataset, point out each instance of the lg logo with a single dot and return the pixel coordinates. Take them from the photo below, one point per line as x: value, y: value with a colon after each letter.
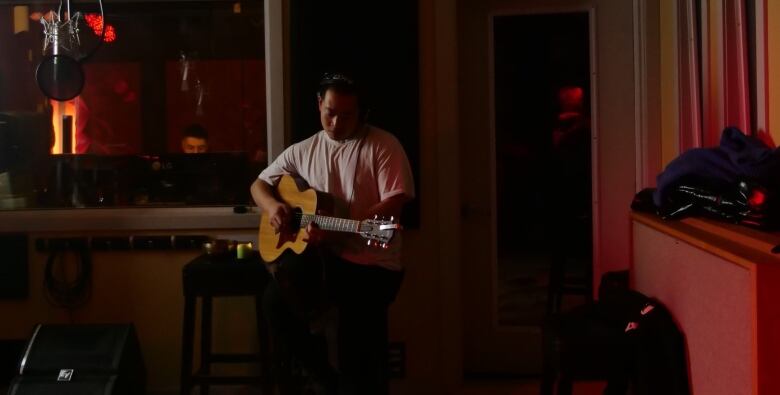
x: 65, y: 375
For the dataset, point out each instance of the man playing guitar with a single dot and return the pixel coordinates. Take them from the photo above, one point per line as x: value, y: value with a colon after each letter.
x: 366, y: 172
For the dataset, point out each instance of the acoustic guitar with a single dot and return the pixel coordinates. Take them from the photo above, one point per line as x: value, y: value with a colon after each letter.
x: 377, y: 231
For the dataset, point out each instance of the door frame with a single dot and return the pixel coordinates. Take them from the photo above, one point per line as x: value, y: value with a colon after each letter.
x: 486, y: 343
x: 591, y: 11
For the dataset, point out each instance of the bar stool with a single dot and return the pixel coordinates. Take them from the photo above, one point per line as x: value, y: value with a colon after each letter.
x: 216, y: 275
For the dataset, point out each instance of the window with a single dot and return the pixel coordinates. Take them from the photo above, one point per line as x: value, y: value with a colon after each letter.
x: 172, y: 110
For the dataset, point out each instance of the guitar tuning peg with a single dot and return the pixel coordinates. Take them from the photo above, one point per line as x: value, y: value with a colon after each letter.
x: 392, y: 218
x: 385, y: 245
x: 368, y: 243
x: 376, y: 216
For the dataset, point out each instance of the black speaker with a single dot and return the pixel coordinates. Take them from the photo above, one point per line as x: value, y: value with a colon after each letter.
x: 81, y: 359
x: 14, y: 277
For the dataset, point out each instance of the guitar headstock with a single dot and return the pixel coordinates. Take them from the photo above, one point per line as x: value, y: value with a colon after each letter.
x: 378, y: 231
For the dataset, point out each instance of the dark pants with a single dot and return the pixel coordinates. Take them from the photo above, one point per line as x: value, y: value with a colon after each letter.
x: 307, y: 289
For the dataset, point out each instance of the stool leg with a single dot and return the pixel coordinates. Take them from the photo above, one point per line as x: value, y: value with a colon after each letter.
x: 547, y: 384
x: 549, y: 362
x: 187, y: 341
x: 555, y: 284
x: 265, y: 345
x: 205, y: 342
x: 564, y: 385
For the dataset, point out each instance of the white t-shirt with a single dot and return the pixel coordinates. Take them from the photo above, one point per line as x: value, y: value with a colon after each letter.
x: 358, y: 173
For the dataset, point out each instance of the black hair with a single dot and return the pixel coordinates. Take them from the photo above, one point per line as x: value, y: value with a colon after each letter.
x: 197, y: 131
x: 344, y: 84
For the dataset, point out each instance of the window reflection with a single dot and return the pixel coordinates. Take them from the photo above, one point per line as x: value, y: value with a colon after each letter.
x: 168, y: 66
x: 108, y: 111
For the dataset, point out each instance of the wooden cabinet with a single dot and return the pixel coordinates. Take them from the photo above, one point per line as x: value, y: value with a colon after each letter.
x: 722, y: 284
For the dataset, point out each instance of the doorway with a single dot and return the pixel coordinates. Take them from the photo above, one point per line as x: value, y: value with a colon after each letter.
x: 537, y: 204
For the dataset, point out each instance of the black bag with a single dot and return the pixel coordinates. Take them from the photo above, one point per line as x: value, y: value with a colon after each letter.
x: 657, y: 348
x: 745, y: 203
x: 628, y: 339
x: 81, y: 359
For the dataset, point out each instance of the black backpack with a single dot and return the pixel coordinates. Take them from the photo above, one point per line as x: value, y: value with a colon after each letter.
x: 654, y: 359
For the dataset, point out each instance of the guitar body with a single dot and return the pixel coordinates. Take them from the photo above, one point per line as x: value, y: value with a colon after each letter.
x: 304, y: 202
x: 273, y: 244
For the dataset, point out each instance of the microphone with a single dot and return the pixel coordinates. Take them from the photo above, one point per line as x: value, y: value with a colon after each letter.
x: 60, y: 75
x: 61, y: 36
x: 184, y: 69
x: 199, y: 100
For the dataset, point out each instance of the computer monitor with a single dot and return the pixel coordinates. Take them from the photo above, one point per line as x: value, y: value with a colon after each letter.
x: 217, y: 178
x: 25, y: 140
x: 24, y: 137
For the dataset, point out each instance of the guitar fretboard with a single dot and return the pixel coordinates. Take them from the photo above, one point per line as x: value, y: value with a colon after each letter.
x: 330, y: 223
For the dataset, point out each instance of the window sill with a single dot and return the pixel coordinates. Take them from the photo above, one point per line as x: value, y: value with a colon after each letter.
x: 100, y: 219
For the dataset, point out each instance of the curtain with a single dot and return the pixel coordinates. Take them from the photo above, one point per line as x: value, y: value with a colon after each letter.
x: 689, y: 76
x: 736, y: 91
x: 714, y: 87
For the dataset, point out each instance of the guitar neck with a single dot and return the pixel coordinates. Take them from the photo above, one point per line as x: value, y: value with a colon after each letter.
x: 331, y: 223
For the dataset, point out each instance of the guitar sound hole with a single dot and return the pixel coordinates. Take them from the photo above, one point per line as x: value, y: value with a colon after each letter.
x: 295, y: 220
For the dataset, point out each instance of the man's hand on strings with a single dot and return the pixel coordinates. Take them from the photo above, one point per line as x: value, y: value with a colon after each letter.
x: 279, y: 216
x: 314, y: 234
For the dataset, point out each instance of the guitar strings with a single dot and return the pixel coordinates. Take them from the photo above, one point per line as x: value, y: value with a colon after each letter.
x: 330, y: 223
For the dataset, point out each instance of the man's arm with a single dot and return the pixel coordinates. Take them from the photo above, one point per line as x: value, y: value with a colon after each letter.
x: 393, y: 176
x: 391, y: 206
x: 263, y: 195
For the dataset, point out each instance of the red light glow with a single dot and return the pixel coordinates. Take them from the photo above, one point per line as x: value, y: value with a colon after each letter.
x: 757, y: 198
x: 110, y: 35
x: 95, y: 22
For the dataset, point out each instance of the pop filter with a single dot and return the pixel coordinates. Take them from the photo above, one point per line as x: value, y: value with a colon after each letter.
x: 60, y: 77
